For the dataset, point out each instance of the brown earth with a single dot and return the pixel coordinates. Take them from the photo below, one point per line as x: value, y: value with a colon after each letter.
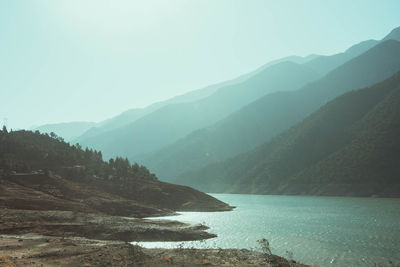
x: 34, y: 250
x: 149, y: 198
x: 46, y: 220
x: 97, y: 226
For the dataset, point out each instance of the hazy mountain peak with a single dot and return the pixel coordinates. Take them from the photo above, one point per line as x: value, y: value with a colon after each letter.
x: 362, y: 46
x: 393, y: 35
x: 272, y: 114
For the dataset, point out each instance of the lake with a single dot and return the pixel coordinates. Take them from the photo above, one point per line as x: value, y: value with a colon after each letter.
x: 328, y: 231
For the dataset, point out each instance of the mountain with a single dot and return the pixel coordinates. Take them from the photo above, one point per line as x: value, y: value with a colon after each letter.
x: 324, y: 64
x: 171, y: 122
x: 68, y: 130
x: 132, y: 115
x: 320, y: 64
x: 38, y: 171
x: 102, y: 132
x: 82, y: 131
x: 349, y: 147
x: 76, y: 131
x: 268, y: 116
x: 294, y: 59
x: 393, y: 35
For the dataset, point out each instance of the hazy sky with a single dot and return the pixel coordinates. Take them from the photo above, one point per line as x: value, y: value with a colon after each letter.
x: 89, y: 60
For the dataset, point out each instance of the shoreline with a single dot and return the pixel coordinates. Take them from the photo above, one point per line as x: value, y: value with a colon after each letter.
x: 66, y: 238
x: 38, y: 250
x: 97, y: 226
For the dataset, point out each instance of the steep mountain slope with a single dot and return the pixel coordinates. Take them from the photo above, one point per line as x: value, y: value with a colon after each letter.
x: 393, y: 35
x: 171, y: 122
x: 43, y: 172
x: 132, y: 115
x: 272, y: 114
x: 325, y: 64
x: 350, y: 146
x: 68, y: 130
x: 320, y: 64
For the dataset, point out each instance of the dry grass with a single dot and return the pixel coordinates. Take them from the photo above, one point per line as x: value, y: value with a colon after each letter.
x: 5, y: 261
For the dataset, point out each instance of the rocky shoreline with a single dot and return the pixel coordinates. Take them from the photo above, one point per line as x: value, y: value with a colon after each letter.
x: 77, y: 210
x: 66, y: 238
x: 38, y: 250
x: 97, y: 226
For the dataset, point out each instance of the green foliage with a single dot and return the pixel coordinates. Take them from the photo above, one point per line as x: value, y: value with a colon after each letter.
x: 350, y: 146
x: 25, y: 151
x: 263, y: 119
x: 165, y: 125
x: 264, y: 246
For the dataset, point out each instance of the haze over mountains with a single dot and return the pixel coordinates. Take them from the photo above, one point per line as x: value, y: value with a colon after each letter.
x: 68, y: 130
x: 73, y: 131
x: 350, y: 146
x: 171, y: 122
x: 76, y: 133
x: 270, y: 115
x: 178, y: 138
x: 320, y: 64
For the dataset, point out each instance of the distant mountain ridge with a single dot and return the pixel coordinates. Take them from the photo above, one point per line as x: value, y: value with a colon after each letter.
x: 325, y: 64
x: 350, y: 147
x: 268, y: 116
x: 320, y: 64
x: 104, y: 137
x: 171, y: 122
x: 393, y: 35
x: 176, y: 139
x: 132, y: 115
x: 68, y: 130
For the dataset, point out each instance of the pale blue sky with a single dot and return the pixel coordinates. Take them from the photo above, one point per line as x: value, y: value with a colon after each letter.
x: 89, y: 60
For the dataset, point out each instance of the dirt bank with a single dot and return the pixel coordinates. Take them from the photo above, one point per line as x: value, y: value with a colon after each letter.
x: 34, y: 250
x: 65, y: 238
x: 97, y: 226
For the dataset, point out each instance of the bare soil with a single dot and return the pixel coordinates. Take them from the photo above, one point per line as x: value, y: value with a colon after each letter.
x: 34, y: 250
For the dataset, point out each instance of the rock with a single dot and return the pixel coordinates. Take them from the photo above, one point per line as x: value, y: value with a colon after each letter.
x: 206, y: 262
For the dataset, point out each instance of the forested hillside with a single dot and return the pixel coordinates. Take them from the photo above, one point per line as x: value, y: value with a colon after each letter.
x: 171, y: 122
x: 268, y: 116
x: 350, y: 146
x: 34, y: 164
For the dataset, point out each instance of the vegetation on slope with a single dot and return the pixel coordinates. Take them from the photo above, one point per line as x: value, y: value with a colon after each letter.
x: 171, y: 122
x: 40, y: 165
x: 272, y: 114
x: 350, y: 146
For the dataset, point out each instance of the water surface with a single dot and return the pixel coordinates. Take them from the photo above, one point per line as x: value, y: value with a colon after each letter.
x: 328, y: 231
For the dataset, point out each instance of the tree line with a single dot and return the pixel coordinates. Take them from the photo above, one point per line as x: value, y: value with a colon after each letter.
x: 27, y: 151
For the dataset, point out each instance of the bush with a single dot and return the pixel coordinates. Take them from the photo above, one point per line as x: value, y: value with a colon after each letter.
x: 265, y: 246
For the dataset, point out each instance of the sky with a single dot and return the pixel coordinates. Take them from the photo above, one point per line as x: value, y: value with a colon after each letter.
x: 89, y: 60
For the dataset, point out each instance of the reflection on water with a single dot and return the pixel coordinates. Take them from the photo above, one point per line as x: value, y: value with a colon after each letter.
x: 329, y: 231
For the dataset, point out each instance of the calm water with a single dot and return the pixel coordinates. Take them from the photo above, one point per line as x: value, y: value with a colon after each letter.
x: 327, y: 231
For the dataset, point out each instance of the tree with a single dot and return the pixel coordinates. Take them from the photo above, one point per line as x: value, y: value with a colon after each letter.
x: 5, y: 129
